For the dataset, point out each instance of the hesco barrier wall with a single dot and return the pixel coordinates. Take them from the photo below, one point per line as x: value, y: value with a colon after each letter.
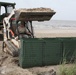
x: 46, y: 51
x: 69, y: 49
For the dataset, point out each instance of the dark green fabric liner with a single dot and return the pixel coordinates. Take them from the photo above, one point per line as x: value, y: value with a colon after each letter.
x: 46, y: 51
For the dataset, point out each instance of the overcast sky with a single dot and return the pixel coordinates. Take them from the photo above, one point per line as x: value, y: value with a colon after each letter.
x: 65, y: 9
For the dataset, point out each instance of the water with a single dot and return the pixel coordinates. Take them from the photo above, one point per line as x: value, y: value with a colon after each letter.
x: 55, y: 24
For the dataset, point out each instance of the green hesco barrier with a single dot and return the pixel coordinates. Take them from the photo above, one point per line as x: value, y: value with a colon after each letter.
x: 46, y: 51
x: 52, y: 53
x: 69, y: 49
x: 39, y: 52
x: 30, y: 53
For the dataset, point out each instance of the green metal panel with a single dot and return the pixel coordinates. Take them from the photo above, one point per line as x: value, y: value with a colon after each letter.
x: 52, y: 52
x: 46, y: 51
x: 69, y: 49
x: 31, y: 53
x: 39, y: 52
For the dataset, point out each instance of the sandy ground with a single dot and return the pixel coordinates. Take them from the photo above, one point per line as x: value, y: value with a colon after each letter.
x: 53, y: 33
x: 9, y: 65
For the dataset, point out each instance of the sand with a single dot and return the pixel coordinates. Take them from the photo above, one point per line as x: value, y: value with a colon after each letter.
x: 53, y: 33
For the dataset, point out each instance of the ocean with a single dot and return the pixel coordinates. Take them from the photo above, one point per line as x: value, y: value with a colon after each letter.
x: 61, y: 24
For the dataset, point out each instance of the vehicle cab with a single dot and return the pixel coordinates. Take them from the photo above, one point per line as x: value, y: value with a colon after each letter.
x: 5, y: 10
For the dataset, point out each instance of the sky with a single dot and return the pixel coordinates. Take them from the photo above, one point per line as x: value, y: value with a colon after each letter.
x: 65, y: 9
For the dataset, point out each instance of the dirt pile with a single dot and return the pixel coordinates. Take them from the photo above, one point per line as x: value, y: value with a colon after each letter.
x: 14, y: 70
x: 35, y: 10
x: 9, y: 66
